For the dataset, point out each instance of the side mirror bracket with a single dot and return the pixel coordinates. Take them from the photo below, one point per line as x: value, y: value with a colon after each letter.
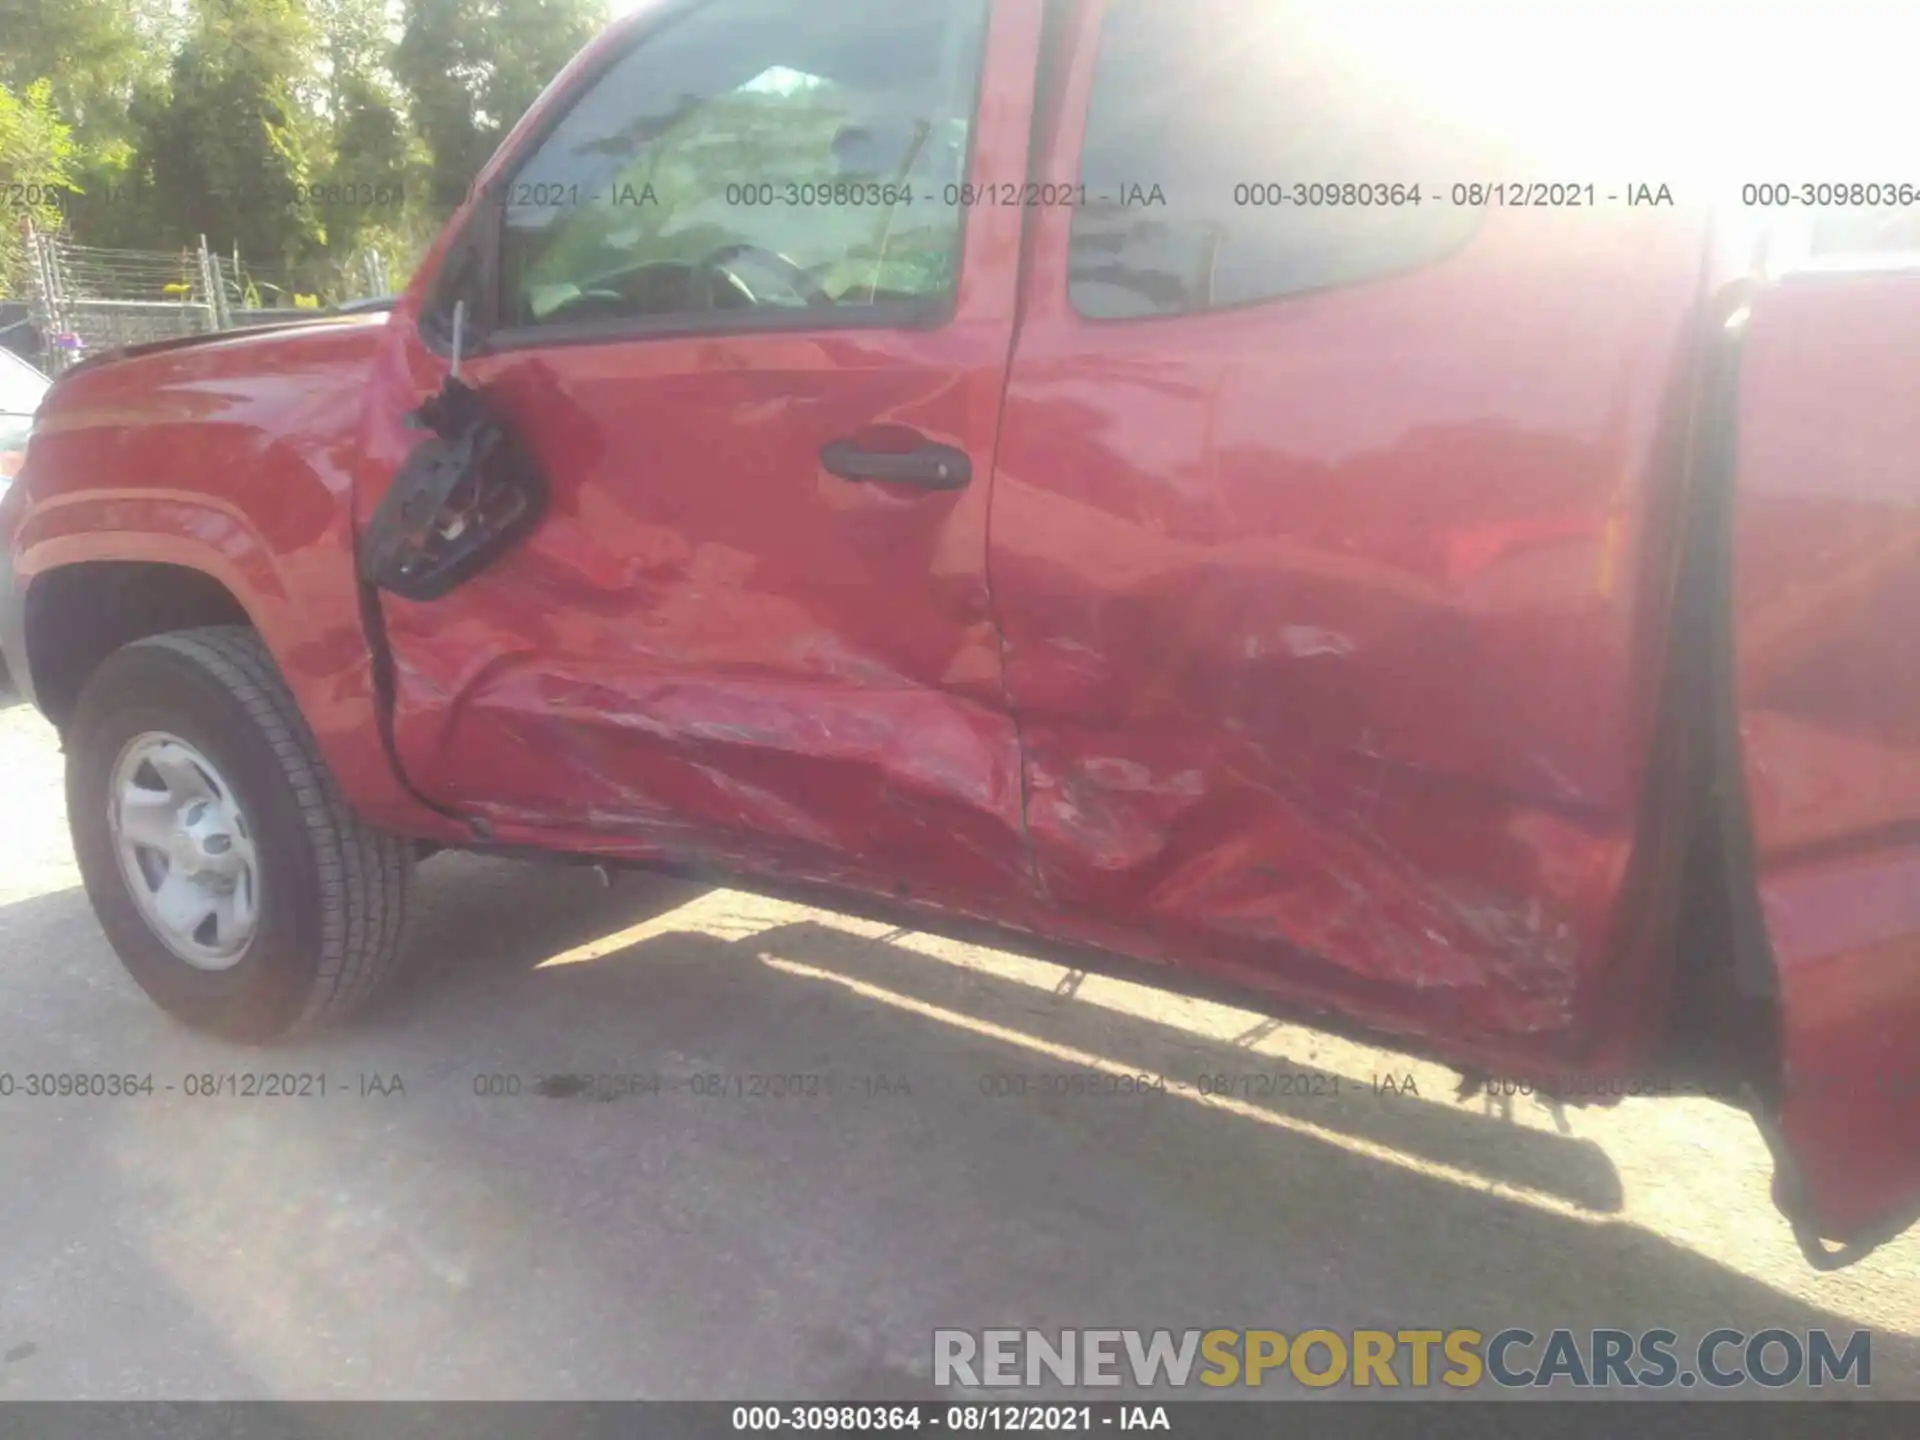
x: 463, y: 496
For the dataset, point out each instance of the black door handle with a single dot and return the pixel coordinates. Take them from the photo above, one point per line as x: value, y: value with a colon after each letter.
x: 928, y: 466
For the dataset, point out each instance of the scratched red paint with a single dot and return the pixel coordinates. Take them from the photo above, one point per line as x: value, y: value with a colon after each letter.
x: 1315, y: 645
x: 1827, y: 607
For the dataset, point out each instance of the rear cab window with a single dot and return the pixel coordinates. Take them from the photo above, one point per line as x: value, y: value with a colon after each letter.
x: 1237, y: 153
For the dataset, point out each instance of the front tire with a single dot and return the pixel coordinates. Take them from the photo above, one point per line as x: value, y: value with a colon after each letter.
x: 223, y: 862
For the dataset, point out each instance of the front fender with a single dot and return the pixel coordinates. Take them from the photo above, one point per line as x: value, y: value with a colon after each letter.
x: 233, y: 460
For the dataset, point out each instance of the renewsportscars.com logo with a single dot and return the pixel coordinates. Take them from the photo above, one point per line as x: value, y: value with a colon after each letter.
x: 1462, y: 1359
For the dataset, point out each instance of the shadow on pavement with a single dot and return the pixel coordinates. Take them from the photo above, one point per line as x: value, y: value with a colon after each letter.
x: 838, y: 1158
x: 1279, y: 1183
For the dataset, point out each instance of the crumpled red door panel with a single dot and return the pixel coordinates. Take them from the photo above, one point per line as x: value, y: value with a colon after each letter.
x: 1333, y: 626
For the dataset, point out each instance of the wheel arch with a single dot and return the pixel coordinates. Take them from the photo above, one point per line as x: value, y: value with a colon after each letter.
x: 79, y: 613
x: 82, y: 601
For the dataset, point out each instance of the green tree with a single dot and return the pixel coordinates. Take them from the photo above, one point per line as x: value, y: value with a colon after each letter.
x: 284, y: 128
x: 471, y: 68
x: 96, y: 55
x: 37, y: 155
x: 99, y: 59
x: 231, y: 154
x: 372, y: 165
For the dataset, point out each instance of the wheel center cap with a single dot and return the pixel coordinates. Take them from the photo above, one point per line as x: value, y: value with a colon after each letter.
x: 202, y: 844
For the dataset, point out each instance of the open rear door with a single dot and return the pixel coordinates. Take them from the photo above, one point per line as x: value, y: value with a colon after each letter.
x: 1820, y: 425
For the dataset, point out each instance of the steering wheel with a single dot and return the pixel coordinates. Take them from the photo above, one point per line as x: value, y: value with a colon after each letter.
x: 720, y: 261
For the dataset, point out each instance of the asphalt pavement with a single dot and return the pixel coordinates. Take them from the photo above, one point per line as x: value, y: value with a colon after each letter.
x: 832, y: 1138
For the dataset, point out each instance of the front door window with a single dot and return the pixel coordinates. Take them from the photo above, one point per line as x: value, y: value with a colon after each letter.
x: 753, y: 155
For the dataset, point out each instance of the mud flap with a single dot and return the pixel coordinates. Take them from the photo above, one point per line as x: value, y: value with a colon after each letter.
x: 463, y: 496
x: 1796, y: 1199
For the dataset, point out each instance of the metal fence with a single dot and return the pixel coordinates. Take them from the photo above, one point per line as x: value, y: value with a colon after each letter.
x: 92, y: 325
x: 82, y: 299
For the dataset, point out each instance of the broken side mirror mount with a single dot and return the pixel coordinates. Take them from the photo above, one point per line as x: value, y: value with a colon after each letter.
x: 463, y: 496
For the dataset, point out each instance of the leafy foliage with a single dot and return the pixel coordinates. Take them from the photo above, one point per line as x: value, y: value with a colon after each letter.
x: 306, y: 134
x: 472, y: 67
x: 229, y: 155
x: 36, y: 156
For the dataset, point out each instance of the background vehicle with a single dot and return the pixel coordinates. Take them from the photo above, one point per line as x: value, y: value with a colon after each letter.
x: 21, y: 389
x: 958, y: 460
x: 19, y: 336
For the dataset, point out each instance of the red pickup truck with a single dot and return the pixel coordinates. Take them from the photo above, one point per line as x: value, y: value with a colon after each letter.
x: 1098, y: 475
